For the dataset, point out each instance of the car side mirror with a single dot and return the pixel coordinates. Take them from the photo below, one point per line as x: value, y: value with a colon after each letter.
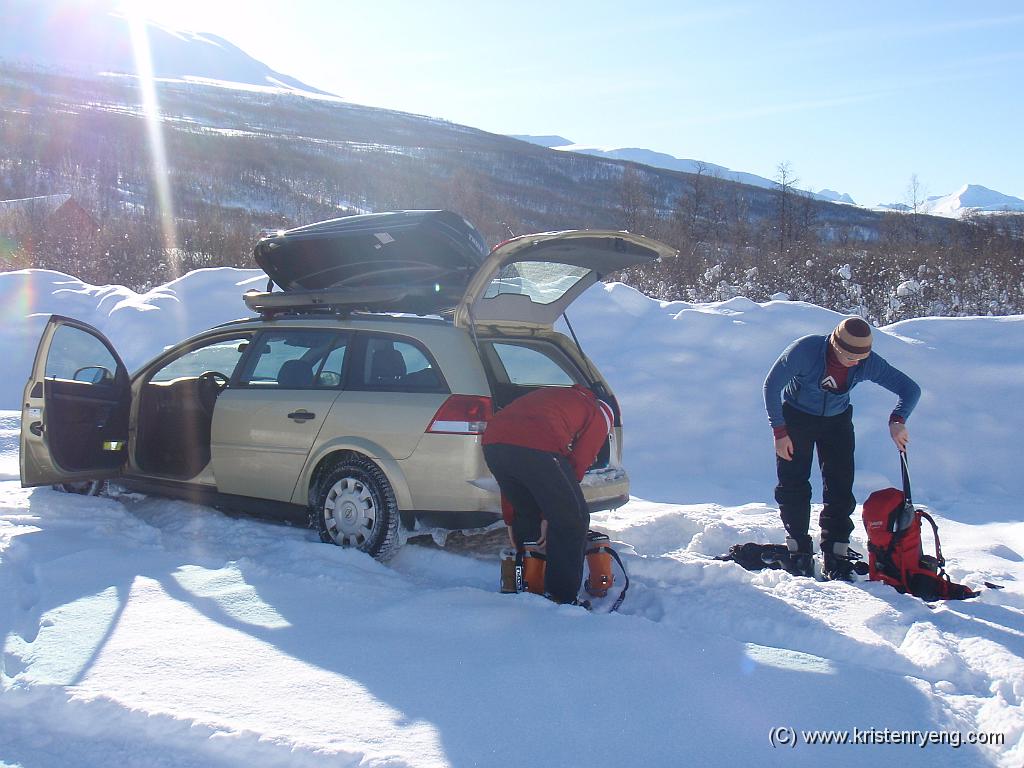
x: 93, y: 374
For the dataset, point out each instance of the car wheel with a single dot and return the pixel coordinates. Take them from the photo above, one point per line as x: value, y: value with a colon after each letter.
x: 83, y: 488
x: 354, y: 506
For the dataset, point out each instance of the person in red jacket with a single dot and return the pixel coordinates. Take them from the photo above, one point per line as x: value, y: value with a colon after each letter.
x: 538, y: 448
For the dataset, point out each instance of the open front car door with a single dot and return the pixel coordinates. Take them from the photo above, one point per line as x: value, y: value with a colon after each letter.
x: 74, y: 417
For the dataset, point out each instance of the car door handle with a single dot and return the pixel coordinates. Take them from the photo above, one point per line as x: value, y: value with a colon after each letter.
x: 299, y: 416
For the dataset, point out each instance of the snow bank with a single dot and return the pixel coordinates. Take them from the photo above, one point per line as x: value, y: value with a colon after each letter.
x: 688, y: 377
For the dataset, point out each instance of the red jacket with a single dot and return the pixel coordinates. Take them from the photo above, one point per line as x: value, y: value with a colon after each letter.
x: 569, y: 421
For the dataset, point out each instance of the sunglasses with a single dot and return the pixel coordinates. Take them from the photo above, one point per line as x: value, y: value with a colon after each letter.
x: 842, y: 354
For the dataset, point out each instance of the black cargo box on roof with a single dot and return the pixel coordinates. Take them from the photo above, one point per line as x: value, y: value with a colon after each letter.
x: 438, y: 249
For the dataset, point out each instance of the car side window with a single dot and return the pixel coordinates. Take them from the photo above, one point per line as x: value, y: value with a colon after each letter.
x: 296, y: 359
x: 398, y: 365
x: 533, y: 365
x: 221, y: 354
x: 79, y: 356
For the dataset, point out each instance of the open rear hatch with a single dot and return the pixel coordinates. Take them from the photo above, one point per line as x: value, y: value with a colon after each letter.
x: 532, y: 279
x: 430, y: 262
x: 417, y: 261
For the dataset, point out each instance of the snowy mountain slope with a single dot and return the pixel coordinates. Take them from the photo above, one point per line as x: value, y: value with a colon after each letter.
x: 835, y: 197
x: 662, y: 160
x: 542, y: 141
x: 971, y: 198
x: 150, y: 632
x: 63, y: 35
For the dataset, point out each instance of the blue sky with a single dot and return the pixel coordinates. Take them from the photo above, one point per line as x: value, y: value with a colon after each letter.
x: 855, y: 97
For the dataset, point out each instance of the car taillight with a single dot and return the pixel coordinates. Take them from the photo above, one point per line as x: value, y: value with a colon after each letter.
x: 461, y: 415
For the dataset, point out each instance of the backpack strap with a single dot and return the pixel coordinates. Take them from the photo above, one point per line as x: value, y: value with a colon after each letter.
x: 905, y: 514
x: 883, y: 555
x: 905, y: 471
x: 935, y: 533
x: 625, y: 577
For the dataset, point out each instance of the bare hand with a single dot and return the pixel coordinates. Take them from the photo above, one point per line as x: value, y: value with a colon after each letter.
x: 784, y: 448
x: 543, y: 540
x: 899, y: 435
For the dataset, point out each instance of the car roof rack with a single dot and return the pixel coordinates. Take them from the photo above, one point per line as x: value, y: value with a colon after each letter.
x: 405, y: 299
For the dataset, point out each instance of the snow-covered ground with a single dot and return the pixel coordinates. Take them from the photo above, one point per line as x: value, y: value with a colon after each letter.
x: 151, y: 632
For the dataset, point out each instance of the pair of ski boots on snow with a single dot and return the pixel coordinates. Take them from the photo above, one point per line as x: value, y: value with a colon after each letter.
x: 838, y: 561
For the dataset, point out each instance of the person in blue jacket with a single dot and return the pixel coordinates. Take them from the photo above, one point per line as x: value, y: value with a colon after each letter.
x: 807, y: 396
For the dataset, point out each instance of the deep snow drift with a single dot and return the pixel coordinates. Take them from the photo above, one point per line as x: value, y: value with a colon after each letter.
x: 153, y: 632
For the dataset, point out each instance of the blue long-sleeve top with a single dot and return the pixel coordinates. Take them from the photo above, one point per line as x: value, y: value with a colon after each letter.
x: 797, y: 375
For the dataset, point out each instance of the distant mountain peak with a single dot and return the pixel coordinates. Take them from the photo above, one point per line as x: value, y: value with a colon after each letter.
x: 542, y: 141
x: 971, y: 198
x: 836, y: 197
x: 94, y: 41
x: 671, y: 163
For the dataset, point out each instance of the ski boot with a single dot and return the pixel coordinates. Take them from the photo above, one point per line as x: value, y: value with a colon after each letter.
x: 801, y: 557
x: 839, y: 562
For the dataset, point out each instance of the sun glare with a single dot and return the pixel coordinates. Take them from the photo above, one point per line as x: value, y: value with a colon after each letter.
x: 180, y: 14
x: 154, y: 131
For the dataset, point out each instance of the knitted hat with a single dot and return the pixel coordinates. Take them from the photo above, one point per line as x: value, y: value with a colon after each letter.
x: 853, y: 335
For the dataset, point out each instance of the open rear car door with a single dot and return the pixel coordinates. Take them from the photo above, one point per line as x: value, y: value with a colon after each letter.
x: 74, y: 417
x: 532, y: 279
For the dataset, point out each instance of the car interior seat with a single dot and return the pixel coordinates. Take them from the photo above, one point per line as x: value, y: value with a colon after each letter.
x: 295, y: 374
x: 386, y: 367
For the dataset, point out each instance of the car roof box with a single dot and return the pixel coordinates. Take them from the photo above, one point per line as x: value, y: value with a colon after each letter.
x: 397, y: 250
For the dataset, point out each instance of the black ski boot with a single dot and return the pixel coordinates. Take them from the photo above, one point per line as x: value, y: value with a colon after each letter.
x: 838, y: 561
x: 801, y: 557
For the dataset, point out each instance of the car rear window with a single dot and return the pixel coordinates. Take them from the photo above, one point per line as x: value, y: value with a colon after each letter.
x: 543, y: 281
x: 394, y: 364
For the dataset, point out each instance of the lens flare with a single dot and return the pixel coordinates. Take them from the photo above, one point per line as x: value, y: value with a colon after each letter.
x: 154, y: 131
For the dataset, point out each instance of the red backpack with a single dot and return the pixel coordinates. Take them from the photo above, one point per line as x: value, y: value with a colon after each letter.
x: 895, y: 554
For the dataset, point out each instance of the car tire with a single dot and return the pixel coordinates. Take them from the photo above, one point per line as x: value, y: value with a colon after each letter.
x: 83, y: 487
x: 354, y: 505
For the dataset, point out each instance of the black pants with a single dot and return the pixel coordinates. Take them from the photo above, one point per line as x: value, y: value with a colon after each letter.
x: 834, y: 440
x: 542, y: 486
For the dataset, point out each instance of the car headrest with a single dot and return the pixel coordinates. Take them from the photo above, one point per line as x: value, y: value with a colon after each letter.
x: 295, y: 373
x: 387, y: 365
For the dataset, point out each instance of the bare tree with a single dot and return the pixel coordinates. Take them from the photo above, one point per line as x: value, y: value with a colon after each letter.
x: 915, y: 200
x: 787, y: 181
x: 915, y: 194
x: 636, y: 201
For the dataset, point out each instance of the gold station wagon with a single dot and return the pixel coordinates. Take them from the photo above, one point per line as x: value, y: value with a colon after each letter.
x: 355, y: 397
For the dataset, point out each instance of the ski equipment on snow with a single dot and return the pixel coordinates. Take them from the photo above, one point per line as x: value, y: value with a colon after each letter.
x: 754, y: 556
x: 510, y: 574
x: 527, y: 567
x: 600, y: 578
x: 531, y: 563
x: 599, y: 564
x: 895, y: 553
